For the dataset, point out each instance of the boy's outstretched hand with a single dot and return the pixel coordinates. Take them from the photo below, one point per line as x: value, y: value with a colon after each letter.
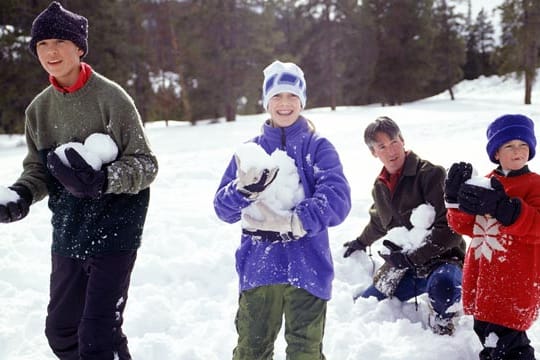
x: 81, y: 180
x: 16, y: 210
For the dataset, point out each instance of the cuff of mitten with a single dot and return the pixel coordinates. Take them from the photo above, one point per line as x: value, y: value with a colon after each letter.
x: 252, y: 196
x: 297, y: 229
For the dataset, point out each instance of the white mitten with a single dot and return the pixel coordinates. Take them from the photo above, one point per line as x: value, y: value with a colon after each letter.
x: 253, y: 181
x: 283, y: 222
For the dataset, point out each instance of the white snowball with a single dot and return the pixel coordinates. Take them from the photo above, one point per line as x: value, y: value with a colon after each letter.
x: 480, y: 181
x: 251, y: 155
x: 103, y: 146
x: 423, y: 216
x: 92, y: 159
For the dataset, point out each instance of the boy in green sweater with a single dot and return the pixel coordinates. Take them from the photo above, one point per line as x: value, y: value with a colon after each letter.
x: 97, y: 215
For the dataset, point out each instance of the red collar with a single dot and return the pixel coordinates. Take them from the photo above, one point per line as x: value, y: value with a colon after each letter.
x: 390, y: 180
x: 84, y: 75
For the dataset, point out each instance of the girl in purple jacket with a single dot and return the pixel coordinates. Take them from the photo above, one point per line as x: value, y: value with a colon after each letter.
x: 284, y: 262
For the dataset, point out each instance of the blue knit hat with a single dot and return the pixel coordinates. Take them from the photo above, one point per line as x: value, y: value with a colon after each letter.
x: 55, y: 22
x: 283, y: 77
x: 507, y: 128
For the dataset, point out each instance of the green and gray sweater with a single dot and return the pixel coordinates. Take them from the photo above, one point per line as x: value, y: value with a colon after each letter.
x: 113, y: 222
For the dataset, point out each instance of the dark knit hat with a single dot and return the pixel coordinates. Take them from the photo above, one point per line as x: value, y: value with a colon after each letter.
x: 55, y: 22
x: 507, y: 128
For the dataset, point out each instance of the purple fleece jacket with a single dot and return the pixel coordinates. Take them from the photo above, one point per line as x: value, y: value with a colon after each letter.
x: 307, y: 262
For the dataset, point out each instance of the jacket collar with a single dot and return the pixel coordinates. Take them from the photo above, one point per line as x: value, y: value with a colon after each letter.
x: 411, y: 164
x: 299, y: 126
x: 512, y: 173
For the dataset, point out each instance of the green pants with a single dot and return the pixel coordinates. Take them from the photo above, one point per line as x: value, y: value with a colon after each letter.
x: 259, y: 318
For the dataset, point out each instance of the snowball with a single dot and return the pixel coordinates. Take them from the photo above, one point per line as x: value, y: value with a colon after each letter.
x: 480, y: 181
x: 285, y: 191
x: 92, y: 159
x: 423, y: 216
x: 103, y: 146
x: 251, y: 155
x: 98, y: 149
x: 7, y: 195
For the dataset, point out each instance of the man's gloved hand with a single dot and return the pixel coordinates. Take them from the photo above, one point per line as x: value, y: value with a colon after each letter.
x: 457, y: 175
x: 352, y: 246
x: 252, y: 182
x: 81, y: 180
x: 477, y: 200
x: 397, y: 258
x: 281, y: 222
x: 16, y: 210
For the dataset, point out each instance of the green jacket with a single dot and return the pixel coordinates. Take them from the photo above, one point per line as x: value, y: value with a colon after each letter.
x: 113, y: 222
x: 420, y: 182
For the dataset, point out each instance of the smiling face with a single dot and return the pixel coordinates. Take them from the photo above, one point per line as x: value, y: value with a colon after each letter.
x: 61, y: 59
x: 284, y: 108
x: 513, y: 155
x: 391, y: 151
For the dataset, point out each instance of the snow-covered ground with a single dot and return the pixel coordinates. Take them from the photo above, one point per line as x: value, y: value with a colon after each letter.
x: 184, y: 288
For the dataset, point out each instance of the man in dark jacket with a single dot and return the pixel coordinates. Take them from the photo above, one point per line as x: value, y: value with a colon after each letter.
x: 435, y: 266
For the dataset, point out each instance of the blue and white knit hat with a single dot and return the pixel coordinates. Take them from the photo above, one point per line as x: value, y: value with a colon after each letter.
x: 283, y: 77
x: 507, y: 128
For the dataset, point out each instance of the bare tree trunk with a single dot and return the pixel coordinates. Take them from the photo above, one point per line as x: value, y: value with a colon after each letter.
x: 532, y: 32
x: 184, y: 94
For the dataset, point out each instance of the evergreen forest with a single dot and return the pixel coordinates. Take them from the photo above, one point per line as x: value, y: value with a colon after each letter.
x: 203, y: 59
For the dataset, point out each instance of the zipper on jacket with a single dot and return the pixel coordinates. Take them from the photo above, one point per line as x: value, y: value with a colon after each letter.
x: 283, y: 139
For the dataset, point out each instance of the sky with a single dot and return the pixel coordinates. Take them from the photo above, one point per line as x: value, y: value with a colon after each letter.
x: 184, y: 292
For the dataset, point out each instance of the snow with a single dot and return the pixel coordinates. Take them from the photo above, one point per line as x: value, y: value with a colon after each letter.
x: 184, y: 288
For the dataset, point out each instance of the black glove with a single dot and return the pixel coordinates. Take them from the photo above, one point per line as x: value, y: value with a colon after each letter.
x: 397, y: 258
x: 457, y: 175
x: 81, y: 180
x: 352, y: 246
x: 16, y: 210
x: 477, y: 200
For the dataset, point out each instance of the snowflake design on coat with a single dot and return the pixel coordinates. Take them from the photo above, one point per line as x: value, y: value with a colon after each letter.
x: 486, y: 237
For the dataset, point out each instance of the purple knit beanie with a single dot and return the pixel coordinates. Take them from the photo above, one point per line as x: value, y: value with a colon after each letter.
x: 507, y: 128
x: 55, y: 22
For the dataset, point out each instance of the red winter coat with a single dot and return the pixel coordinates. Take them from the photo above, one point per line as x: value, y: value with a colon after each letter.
x: 501, y: 274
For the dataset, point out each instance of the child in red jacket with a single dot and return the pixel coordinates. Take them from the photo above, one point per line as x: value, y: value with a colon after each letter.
x: 501, y: 287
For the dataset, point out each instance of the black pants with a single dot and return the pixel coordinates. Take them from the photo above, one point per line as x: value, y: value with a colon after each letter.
x: 87, y: 300
x: 507, y: 344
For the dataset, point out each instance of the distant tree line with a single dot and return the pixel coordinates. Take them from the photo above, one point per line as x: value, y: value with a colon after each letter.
x: 203, y: 59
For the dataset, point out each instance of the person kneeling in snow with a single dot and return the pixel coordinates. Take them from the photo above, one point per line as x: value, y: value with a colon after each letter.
x: 284, y: 261
x: 405, y: 182
x: 501, y: 272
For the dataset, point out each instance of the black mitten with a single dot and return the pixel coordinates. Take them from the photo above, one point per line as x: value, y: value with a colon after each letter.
x: 352, y: 246
x: 81, y: 180
x: 397, y: 258
x: 16, y: 210
x: 457, y: 175
x: 477, y: 200
x: 508, y: 209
